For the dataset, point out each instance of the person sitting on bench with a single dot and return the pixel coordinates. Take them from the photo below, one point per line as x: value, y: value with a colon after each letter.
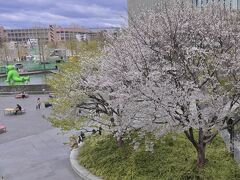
x: 23, y: 95
x: 18, y: 109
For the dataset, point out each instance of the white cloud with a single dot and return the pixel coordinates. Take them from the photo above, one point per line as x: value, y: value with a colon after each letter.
x: 13, y: 16
x: 34, y: 2
x: 91, y: 9
x: 61, y: 12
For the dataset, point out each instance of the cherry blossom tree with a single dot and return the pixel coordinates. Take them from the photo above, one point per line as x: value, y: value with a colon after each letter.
x: 85, y: 97
x: 174, y: 69
x: 179, y: 66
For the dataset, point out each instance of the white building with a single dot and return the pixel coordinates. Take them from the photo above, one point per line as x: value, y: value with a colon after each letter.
x: 135, y: 7
x: 81, y: 37
x: 232, y: 4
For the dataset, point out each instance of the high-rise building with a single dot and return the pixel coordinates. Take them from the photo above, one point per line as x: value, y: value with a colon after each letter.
x: 135, y: 7
x: 232, y: 4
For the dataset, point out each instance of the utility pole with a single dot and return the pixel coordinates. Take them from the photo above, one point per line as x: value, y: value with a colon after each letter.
x: 5, y: 53
x: 40, y: 38
x: 39, y: 46
x: 43, y: 57
x: 39, y: 49
x: 71, y: 45
x: 18, y: 52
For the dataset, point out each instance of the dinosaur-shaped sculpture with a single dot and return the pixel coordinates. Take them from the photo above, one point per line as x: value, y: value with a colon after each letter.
x: 13, y: 75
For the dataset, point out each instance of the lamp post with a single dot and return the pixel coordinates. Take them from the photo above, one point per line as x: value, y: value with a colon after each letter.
x: 5, y: 54
x: 18, y: 51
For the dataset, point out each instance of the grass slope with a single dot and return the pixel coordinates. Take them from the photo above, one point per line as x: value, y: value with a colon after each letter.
x: 171, y: 159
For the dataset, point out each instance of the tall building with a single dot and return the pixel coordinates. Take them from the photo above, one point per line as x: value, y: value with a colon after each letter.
x: 58, y: 34
x: 51, y: 34
x: 135, y: 7
x: 232, y: 4
x: 23, y: 35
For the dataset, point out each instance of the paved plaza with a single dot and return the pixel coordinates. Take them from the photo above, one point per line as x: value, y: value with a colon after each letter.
x: 32, y: 149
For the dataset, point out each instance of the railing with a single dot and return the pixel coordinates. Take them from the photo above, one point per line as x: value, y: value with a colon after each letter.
x: 2, y: 70
x: 40, y: 67
x: 31, y: 66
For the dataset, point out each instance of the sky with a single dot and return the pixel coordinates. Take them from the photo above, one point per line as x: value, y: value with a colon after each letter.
x: 84, y: 13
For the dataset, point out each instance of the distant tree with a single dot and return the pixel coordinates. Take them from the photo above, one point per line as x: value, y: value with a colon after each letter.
x: 4, y: 51
x: 52, y: 45
x: 77, y: 47
x: 72, y: 45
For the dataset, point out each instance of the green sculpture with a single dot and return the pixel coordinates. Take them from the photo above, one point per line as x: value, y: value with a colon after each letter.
x: 13, y: 75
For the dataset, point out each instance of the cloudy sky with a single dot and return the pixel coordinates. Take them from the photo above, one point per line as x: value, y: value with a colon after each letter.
x: 86, y: 13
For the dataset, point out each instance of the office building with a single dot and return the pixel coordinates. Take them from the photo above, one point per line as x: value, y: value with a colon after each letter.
x: 136, y: 7
x: 232, y: 4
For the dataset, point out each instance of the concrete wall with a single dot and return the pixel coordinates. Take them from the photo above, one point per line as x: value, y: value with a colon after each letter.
x: 81, y: 171
x: 30, y: 89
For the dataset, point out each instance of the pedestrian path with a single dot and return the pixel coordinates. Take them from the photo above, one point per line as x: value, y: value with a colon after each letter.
x: 32, y: 149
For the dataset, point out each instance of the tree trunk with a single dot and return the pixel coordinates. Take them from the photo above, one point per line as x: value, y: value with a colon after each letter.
x: 232, y: 143
x: 201, y: 149
x: 199, y: 145
x: 231, y: 132
x: 120, y: 141
x: 201, y: 156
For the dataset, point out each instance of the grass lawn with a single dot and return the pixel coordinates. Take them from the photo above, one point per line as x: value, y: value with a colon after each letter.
x: 173, y: 158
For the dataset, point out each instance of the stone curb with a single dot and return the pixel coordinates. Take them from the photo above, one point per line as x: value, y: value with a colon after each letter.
x: 80, y: 170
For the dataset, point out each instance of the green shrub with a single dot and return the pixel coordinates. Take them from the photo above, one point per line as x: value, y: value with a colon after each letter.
x: 171, y: 159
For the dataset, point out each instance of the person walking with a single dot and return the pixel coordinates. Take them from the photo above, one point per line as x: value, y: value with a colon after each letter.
x: 38, y: 106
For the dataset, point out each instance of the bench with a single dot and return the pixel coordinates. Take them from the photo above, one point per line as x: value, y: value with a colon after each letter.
x: 21, y: 112
x: 19, y: 96
x: 9, y: 111
x: 12, y: 111
x: 3, y: 128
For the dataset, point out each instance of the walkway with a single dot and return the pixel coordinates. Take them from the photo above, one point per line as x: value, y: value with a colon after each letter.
x: 31, y: 148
